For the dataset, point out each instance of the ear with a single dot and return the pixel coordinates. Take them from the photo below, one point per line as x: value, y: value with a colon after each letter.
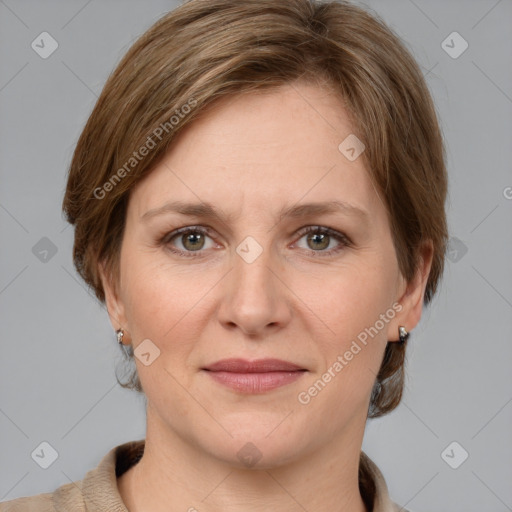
x: 412, y: 294
x: 113, y: 303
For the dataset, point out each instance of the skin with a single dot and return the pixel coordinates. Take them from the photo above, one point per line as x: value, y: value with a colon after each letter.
x: 249, y: 157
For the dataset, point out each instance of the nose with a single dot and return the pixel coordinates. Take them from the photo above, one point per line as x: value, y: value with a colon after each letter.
x: 254, y: 298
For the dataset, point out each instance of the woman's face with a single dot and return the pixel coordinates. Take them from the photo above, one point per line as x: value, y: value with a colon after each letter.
x: 251, y: 283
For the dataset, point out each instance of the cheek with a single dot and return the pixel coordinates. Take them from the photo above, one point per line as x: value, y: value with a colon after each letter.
x: 157, y: 300
x: 166, y: 304
x: 355, y: 304
x: 353, y: 346
x: 351, y: 297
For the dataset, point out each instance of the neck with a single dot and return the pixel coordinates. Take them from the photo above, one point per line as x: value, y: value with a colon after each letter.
x: 175, y: 475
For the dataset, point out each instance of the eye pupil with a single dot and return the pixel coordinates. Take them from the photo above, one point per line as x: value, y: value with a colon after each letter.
x: 195, y: 239
x: 319, y: 237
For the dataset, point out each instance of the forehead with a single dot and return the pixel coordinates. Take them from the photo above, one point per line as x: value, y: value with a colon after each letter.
x: 261, y: 150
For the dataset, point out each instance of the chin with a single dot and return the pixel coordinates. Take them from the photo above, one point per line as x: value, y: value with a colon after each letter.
x: 254, y: 448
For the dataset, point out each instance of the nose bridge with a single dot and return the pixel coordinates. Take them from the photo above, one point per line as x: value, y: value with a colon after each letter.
x: 253, y: 300
x: 251, y: 270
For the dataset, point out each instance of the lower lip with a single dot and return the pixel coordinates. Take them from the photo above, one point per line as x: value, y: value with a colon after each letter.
x: 255, y: 382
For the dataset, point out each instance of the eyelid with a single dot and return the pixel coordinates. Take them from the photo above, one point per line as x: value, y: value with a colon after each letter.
x: 166, y: 239
x: 344, y: 240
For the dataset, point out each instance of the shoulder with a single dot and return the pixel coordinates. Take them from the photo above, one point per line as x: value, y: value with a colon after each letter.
x: 66, y: 497
x: 39, y: 503
x: 97, y: 491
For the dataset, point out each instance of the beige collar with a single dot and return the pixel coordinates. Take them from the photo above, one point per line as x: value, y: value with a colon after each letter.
x: 99, y: 490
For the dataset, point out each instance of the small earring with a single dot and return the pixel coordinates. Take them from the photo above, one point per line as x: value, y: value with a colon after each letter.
x: 120, y: 334
x: 403, y: 334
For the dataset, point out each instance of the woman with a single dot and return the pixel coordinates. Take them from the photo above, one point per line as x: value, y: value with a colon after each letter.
x: 258, y: 198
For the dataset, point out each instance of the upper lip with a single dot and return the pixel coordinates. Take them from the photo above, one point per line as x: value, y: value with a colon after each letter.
x: 257, y: 366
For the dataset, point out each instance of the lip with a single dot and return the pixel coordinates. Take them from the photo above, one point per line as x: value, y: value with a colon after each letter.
x: 254, y: 376
x: 257, y: 366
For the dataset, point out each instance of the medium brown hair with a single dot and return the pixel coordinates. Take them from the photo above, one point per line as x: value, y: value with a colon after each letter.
x: 206, y: 50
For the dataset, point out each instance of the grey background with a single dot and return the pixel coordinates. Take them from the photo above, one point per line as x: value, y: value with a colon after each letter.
x: 58, y: 352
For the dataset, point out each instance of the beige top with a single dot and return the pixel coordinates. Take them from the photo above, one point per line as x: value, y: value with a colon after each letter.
x: 98, y: 491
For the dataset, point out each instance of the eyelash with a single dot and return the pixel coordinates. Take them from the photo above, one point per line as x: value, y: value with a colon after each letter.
x: 320, y: 230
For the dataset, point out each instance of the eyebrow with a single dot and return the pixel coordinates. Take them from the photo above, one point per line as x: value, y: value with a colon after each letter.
x: 208, y: 211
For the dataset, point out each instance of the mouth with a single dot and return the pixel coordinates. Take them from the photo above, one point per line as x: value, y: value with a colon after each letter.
x: 254, y: 376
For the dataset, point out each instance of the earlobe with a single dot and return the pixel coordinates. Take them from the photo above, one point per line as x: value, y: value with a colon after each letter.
x: 112, y: 302
x: 413, y: 295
